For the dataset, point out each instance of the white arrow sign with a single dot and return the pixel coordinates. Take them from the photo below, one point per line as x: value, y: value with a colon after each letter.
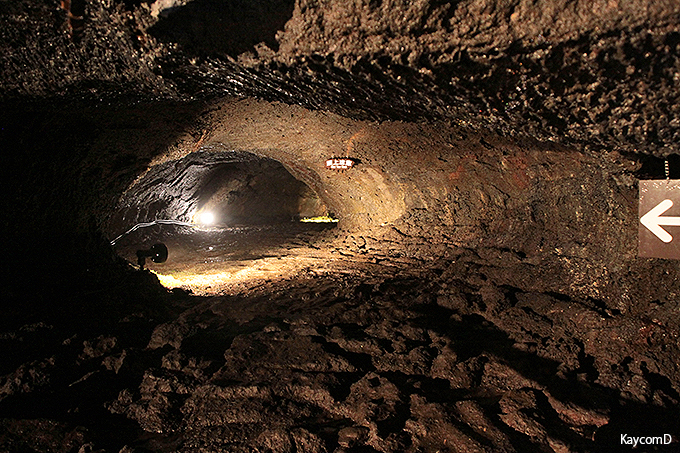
x: 652, y: 220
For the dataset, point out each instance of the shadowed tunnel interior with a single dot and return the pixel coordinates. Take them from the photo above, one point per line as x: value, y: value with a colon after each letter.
x: 476, y: 284
x: 237, y: 188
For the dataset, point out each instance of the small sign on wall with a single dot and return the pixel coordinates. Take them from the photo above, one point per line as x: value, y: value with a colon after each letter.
x: 340, y: 163
x: 659, y: 213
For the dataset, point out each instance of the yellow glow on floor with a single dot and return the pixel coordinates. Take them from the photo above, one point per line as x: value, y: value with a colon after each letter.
x: 197, y: 281
x: 319, y: 219
x: 239, y: 274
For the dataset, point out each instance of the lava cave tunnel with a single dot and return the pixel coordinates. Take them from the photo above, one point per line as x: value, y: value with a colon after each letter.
x: 215, y: 207
x: 473, y: 282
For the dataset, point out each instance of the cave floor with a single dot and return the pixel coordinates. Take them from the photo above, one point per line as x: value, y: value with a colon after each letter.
x: 223, y: 260
x: 361, y: 354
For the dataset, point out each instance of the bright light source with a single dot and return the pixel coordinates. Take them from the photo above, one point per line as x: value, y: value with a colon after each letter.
x: 207, y: 218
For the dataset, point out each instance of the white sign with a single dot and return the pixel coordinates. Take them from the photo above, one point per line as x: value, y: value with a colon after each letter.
x: 659, y: 213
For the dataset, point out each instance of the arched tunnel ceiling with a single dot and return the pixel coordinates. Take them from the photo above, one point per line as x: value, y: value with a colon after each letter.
x: 482, y: 288
x: 236, y: 187
x: 598, y: 73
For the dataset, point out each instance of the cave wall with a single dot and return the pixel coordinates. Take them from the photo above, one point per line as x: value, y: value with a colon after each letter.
x: 72, y: 163
x: 422, y: 190
x: 419, y: 189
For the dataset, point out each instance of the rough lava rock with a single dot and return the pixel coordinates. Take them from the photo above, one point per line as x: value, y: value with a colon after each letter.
x: 481, y: 292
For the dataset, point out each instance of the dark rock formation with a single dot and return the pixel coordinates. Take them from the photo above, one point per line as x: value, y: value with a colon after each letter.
x: 481, y: 292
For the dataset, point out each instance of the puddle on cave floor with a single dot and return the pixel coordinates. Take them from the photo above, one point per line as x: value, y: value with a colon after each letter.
x: 221, y: 260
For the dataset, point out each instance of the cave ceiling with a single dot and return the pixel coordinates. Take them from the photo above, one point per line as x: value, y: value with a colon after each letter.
x: 601, y: 74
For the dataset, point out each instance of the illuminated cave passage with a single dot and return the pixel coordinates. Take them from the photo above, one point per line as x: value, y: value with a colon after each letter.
x: 481, y: 291
x: 216, y: 211
x: 237, y: 188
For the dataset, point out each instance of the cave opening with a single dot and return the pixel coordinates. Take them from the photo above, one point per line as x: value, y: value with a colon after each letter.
x: 220, y: 213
